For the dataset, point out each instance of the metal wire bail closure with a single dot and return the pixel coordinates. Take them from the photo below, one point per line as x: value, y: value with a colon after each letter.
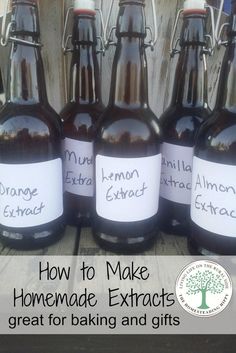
x: 6, y: 31
x: 210, y: 49
x: 220, y: 29
x: 102, y: 36
x: 207, y: 50
x: 66, y: 39
x: 108, y: 35
x: 173, y: 46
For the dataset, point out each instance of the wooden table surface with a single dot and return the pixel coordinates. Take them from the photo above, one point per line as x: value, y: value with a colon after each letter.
x: 164, y: 245
x: 82, y: 243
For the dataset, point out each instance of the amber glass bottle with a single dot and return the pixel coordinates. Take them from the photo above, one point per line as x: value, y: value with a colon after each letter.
x: 31, y: 202
x: 213, y: 207
x: 79, y: 116
x: 1, y: 88
x: 181, y: 121
x: 127, y: 145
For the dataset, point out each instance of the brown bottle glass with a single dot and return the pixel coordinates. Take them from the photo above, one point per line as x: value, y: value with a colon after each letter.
x: 79, y: 116
x: 127, y: 145
x: 31, y: 198
x: 1, y: 88
x: 180, y: 123
x: 213, y: 210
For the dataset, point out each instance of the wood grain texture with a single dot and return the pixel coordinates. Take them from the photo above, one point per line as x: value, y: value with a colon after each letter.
x: 118, y: 344
x: 165, y: 245
x: 51, y: 21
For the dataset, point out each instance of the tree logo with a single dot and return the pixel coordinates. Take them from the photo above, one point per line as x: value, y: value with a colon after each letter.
x: 204, y: 288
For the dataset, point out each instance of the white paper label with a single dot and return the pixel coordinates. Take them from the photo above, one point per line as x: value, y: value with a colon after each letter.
x: 30, y: 194
x: 78, y: 167
x: 213, y: 204
x: 127, y: 189
x: 176, y: 173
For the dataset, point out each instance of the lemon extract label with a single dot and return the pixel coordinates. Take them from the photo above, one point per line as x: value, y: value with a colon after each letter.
x: 127, y: 189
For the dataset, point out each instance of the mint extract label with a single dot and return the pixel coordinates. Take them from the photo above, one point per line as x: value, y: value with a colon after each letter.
x: 78, y: 167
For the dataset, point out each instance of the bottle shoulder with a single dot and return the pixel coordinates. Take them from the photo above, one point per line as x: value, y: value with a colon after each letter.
x: 73, y: 111
x: 35, y: 117
x: 79, y: 120
x: 173, y: 114
x: 180, y: 124
x: 29, y: 134
x: 128, y: 133
x: 217, y: 137
x: 116, y: 120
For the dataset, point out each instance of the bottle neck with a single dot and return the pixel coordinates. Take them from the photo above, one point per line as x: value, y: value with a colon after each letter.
x: 26, y: 83
x: 190, y: 84
x: 84, y: 70
x: 129, y: 87
x: 226, y: 97
x: 129, y: 77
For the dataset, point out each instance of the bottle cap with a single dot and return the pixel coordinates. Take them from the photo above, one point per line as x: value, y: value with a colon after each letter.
x: 83, y: 5
x: 194, y: 5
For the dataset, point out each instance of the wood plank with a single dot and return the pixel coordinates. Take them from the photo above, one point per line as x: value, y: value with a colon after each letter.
x: 118, y: 344
x: 164, y: 245
x: 167, y: 244
x: 1, y: 248
x: 2, y: 7
x: 66, y: 246
x: 87, y: 244
x: 51, y: 25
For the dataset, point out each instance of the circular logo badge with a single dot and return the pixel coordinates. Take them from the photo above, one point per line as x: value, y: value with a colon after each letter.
x: 204, y: 288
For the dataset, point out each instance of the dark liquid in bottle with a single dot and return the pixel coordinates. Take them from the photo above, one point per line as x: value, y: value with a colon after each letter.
x: 79, y: 117
x: 30, y: 135
x: 216, y: 143
x: 1, y: 88
x: 127, y: 132
x: 180, y: 124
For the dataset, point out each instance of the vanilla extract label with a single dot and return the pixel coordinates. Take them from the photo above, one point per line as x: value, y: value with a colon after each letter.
x: 213, y: 205
x: 127, y: 189
x: 176, y: 173
x: 30, y: 194
x: 78, y: 167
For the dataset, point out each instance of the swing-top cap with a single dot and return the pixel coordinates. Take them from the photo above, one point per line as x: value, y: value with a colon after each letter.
x: 195, y: 5
x: 84, y: 5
